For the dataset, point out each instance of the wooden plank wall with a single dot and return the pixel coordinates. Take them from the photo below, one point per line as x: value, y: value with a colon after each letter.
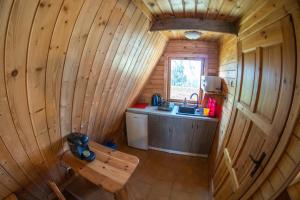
x: 65, y: 65
x: 228, y: 72
x: 285, y: 161
x: 155, y: 84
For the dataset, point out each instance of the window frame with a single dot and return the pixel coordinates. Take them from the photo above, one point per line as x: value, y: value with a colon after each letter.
x: 168, y: 59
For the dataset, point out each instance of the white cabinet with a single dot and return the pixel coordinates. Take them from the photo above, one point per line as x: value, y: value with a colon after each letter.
x: 137, y: 130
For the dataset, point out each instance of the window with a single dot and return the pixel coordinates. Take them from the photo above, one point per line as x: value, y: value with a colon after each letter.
x: 184, y: 78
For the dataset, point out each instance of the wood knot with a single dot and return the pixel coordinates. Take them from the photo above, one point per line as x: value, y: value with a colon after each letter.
x: 65, y: 8
x: 42, y: 5
x: 38, y: 69
x: 85, y: 36
x: 151, y: 4
x: 49, y: 5
x: 14, y: 73
x: 264, y: 35
x: 66, y: 21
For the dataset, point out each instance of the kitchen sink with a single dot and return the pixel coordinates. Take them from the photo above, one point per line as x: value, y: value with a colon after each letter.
x: 186, y: 110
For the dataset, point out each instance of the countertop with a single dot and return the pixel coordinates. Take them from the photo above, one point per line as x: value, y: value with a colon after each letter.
x: 155, y: 111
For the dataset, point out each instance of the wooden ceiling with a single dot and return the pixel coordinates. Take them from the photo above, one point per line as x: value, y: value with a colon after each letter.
x: 227, y: 10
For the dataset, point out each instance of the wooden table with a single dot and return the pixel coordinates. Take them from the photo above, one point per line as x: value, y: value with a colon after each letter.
x: 110, y: 170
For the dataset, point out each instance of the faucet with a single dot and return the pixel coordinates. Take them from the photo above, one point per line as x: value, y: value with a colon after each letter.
x: 197, y: 98
x: 185, y: 102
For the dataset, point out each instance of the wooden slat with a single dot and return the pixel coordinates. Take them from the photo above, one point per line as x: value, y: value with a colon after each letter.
x: 56, y: 190
x: 139, y: 47
x: 106, y: 67
x: 192, y: 24
x: 8, y: 181
x: 116, y: 119
x: 101, y: 52
x: 9, y: 138
x: 140, y: 4
x: 131, y: 76
x: 56, y: 58
x: 86, y: 61
x: 41, y: 33
x: 114, y: 65
x: 78, y: 40
x: 17, y: 37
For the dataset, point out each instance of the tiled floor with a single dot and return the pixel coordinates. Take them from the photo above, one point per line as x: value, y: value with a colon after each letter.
x: 164, y: 176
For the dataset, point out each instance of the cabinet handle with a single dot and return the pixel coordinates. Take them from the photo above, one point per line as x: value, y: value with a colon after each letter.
x: 257, y: 163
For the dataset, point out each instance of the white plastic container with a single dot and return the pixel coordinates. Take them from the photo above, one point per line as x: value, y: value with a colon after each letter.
x: 211, y: 84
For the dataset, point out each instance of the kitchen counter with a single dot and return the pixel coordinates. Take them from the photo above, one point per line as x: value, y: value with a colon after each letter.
x: 155, y: 111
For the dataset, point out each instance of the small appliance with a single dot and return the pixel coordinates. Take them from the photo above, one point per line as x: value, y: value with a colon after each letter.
x: 211, y: 84
x: 78, y: 143
x: 156, y: 100
x: 137, y: 130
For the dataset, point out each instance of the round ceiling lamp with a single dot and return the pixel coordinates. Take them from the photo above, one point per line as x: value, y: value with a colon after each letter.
x: 192, y: 35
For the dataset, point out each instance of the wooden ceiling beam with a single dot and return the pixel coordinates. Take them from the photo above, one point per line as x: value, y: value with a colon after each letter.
x: 194, y: 24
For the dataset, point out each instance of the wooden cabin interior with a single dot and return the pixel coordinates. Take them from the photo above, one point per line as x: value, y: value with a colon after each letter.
x: 150, y: 99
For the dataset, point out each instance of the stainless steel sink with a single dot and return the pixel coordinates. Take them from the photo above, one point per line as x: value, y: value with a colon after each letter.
x: 189, y: 110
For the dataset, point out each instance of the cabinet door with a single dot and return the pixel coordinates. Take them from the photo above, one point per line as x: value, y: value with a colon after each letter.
x: 182, y: 134
x: 203, y: 133
x: 159, y: 130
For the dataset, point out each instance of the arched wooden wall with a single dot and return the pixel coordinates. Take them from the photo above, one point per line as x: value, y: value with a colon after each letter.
x: 65, y: 65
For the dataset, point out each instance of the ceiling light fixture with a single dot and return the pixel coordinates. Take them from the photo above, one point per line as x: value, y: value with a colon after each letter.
x: 192, y: 35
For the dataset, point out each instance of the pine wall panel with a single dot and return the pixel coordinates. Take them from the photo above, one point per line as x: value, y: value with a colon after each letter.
x: 228, y: 73
x: 155, y: 83
x: 65, y: 65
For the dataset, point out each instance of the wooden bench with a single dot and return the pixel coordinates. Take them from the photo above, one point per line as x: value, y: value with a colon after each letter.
x: 110, y: 170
